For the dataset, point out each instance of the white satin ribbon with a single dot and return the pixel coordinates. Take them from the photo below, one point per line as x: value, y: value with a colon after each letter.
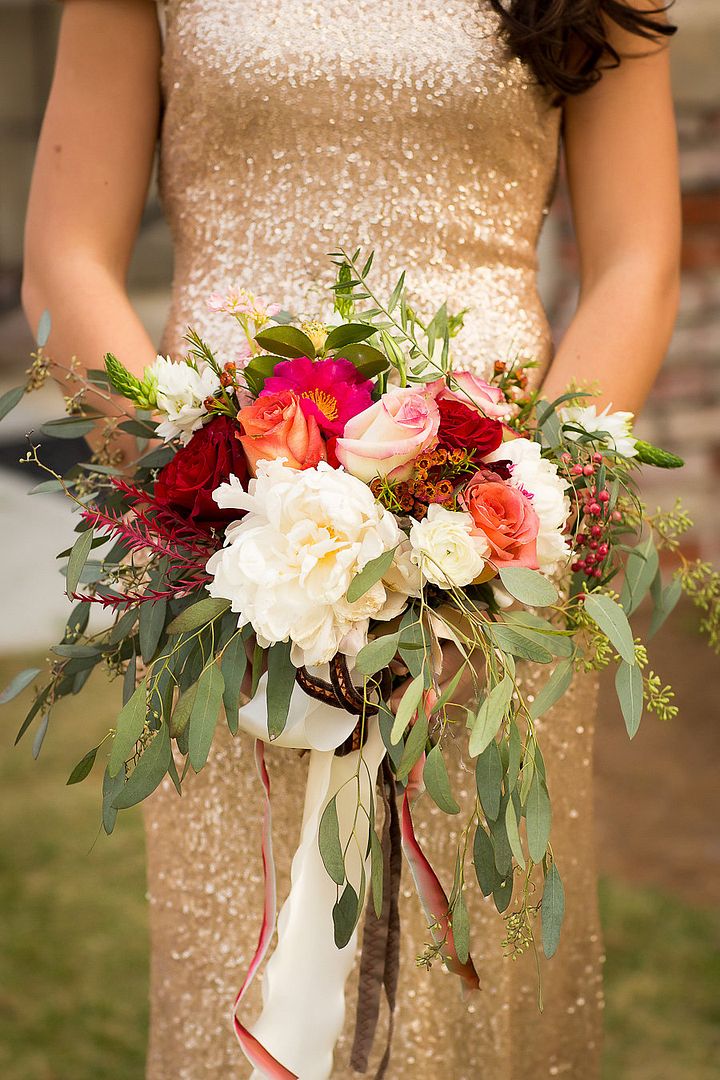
x: 304, y: 981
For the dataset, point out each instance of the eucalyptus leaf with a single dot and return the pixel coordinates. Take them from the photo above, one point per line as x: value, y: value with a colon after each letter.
x: 490, y: 715
x: 513, y: 834
x: 612, y: 620
x: 665, y: 602
x: 280, y: 683
x: 528, y: 586
x: 47, y: 487
x: 345, y: 916
x: 43, y: 330
x: 180, y: 715
x: 461, y: 929
x: 514, y: 757
x: 152, y: 623
x: 385, y: 723
x: 76, y: 562
x: 111, y: 788
x: 437, y: 782
x: 129, y: 727
x: 10, y: 399
x: 18, y: 684
x: 83, y: 767
x: 640, y: 570
x: 542, y: 632
x: 40, y: 736
x: 553, y: 911
x: 234, y: 666
x: 553, y: 689
x: 377, y: 654
x: 407, y: 707
x: 498, y: 831
x: 329, y: 843
x: 148, y: 773
x: 414, y: 745
x: 414, y: 641
x: 204, y: 715
x: 369, y: 575
x: 538, y: 818
x: 488, y: 778
x: 502, y: 895
x: 629, y: 687
x: 70, y: 427
x: 199, y: 613
x: 517, y: 642
x: 484, y: 862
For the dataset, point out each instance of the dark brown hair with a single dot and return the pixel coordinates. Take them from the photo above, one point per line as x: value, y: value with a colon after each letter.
x: 566, y: 42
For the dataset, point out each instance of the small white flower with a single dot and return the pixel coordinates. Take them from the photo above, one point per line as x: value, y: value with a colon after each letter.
x: 288, y: 563
x: 617, y: 425
x: 445, y: 548
x: 538, y: 477
x: 181, y: 393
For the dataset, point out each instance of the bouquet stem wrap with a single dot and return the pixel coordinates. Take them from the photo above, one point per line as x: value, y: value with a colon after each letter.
x: 304, y: 981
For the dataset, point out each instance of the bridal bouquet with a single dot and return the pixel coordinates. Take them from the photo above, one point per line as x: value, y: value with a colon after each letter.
x: 304, y: 526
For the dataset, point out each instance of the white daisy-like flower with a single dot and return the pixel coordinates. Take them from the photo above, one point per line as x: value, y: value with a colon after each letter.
x: 181, y: 391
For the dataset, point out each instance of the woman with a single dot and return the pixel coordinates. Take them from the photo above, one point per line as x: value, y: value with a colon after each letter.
x: 431, y: 132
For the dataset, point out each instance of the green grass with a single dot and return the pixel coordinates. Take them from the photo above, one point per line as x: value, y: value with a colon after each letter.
x: 73, y: 932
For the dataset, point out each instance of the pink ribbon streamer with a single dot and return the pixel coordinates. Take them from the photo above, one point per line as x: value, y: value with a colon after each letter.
x: 434, y: 900
x: 254, y: 1051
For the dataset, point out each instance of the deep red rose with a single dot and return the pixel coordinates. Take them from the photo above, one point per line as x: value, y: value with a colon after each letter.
x: 463, y: 428
x: 186, y: 483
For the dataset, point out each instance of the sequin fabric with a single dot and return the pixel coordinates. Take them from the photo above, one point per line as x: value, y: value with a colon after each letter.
x: 290, y: 127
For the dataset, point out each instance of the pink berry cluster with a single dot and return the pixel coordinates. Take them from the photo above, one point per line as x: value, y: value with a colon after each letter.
x: 593, y: 541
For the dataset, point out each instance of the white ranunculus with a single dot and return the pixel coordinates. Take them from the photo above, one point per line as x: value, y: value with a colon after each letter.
x: 181, y: 391
x: 287, y: 565
x: 445, y: 548
x: 618, y: 426
x: 539, y: 478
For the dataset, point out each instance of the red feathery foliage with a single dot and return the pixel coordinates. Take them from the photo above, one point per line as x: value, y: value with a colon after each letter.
x: 146, y: 526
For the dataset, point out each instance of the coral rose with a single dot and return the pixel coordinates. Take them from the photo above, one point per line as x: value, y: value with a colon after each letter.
x: 385, y: 439
x: 505, y: 516
x: 275, y: 426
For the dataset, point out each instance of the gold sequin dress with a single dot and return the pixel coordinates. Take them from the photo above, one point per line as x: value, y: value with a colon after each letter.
x: 291, y: 126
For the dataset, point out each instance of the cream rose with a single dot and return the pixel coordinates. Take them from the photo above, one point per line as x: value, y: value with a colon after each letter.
x: 446, y: 549
x: 385, y: 439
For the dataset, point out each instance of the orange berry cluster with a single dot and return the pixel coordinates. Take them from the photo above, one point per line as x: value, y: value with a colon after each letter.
x: 432, y: 482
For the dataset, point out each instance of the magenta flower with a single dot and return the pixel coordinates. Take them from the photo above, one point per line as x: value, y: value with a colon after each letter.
x: 331, y: 390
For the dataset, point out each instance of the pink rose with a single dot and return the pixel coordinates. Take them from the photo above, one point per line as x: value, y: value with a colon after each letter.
x: 470, y: 390
x: 385, y: 439
x: 505, y: 516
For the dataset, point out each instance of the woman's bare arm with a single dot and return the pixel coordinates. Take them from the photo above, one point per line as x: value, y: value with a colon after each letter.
x: 620, y: 145
x: 90, y: 181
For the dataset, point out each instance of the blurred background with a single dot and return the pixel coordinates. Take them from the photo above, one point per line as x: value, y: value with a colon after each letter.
x: 73, y: 944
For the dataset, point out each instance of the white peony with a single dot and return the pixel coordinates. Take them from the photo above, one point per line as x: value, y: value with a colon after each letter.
x: 538, y: 477
x: 617, y: 425
x: 287, y: 565
x: 181, y: 391
x: 445, y: 548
